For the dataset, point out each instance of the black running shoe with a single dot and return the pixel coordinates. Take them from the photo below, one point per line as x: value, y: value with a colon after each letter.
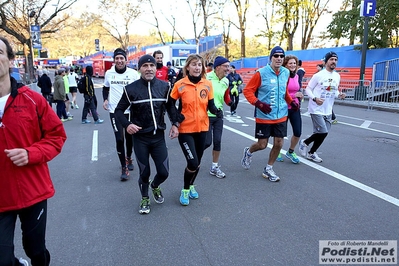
x: 125, y: 174
x: 144, y: 206
x: 157, y: 193
x: 129, y: 164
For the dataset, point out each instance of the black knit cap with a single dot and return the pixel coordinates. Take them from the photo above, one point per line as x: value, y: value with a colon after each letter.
x: 329, y: 55
x: 120, y: 51
x: 146, y: 59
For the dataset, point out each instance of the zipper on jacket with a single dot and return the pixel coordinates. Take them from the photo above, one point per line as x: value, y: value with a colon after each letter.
x: 152, y: 108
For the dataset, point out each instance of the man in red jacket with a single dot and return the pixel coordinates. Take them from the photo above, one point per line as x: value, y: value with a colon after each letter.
x: 31, y: 135
x: 162, y: 71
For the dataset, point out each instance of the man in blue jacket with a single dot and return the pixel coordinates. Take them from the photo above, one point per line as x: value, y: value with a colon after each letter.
x: 267, y: 90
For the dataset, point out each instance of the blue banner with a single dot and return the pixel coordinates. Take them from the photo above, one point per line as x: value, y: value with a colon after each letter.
x: 35, y: 35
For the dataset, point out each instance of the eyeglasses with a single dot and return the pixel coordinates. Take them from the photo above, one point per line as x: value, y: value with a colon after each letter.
x: 278, y: 55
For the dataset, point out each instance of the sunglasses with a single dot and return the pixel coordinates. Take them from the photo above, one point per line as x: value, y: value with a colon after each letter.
x: 278, y: 55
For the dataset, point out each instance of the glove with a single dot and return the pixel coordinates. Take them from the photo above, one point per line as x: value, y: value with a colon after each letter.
x: 239, y: 82
x: 219, y: 113
x: 294, y: 105
x: 264, y: 107
x: 234, y: 91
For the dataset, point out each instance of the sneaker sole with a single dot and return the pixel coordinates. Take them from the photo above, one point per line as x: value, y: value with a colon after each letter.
x: 218, y: 176
x: 144, y: 212
x: 267, y: 177
x: 294, y: 162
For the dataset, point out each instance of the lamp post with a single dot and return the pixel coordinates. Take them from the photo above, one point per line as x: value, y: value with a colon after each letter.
x: 31, y: 14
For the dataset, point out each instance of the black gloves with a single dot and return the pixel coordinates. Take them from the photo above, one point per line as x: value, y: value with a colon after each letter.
x: 219, y: 113
x: 294, y: 105
x: 264, y: 107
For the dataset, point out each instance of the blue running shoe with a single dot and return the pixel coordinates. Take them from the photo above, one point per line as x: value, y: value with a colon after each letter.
x: 292, y: 156
x: 193, y: 193
x: 280, y: 158
x: 184, y: 197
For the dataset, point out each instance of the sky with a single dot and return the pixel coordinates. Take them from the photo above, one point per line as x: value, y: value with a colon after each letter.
x: 180, y: 11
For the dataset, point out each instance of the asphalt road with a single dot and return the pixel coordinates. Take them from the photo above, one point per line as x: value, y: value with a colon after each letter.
x: 241, y: 220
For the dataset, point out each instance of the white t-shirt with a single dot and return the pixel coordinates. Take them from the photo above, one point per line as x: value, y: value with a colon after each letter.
x: 72, y: 79
x: 3, y: 101
x: 324, y: 85
x: 116, y: 83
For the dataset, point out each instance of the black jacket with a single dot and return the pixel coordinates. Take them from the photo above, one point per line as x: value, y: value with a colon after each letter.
x: 148, y: 103
x: 44, y: 83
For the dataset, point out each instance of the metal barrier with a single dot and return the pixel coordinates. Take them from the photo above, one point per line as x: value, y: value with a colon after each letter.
x: 385, y: 85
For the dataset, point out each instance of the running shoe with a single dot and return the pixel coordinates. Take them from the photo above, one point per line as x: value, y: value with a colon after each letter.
x: 184, y: 197
x: 23, y: 262
x: 246, y: 159
x: 334, y: 121
x: 145, y: 206
x: 125, y: 174
x: 129, y: 163
x: 86, y: 121
x: 293, y: 157
x: 270, y: 174
x: 157, y: 193
x: 193, y: 194
x: 303, y: 148
x: 99, y: 121
x: 215, y: 170
x: 70, y: 118
x: 69, y: 114
x: 280, y: 158
x: 76, y: 106
x: 72, y: 105
x: 314, y: 157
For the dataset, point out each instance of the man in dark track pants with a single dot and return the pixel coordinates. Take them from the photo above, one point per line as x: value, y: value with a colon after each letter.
x: 148, y: 99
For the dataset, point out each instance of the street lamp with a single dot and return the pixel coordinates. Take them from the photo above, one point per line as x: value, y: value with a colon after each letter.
x: 31, y: 14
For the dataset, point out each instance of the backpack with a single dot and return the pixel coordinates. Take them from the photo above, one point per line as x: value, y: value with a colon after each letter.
x: 82, y: 85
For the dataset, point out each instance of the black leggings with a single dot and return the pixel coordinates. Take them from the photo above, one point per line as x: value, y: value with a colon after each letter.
x: 193, y: 146
x: 120, y: 136
x: 33, y: 224
x: 317, y: 139
x: 154, y: 145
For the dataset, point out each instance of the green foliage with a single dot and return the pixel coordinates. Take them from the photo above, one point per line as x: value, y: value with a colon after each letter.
x: 383, y: 27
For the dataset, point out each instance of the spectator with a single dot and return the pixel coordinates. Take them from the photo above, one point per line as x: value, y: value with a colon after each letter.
x: 60, y: 95
x: 89, y: 97
x: 235, y: 81
x: 301, y: 73
x: 44, y: 83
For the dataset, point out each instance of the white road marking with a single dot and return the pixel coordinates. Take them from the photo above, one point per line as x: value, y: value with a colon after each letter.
x: 366, y: 124
x: 94, y: 147
x: 329, y: 172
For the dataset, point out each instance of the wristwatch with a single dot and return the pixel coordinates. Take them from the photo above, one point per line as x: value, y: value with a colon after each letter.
x: 176, y: 124
x: 314, y: 99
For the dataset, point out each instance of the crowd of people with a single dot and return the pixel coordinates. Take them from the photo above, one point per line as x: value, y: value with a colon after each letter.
x: 137, y: 102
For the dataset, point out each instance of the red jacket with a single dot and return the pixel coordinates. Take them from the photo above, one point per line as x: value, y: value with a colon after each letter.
x: 28, y: 122
x: 162, y: 73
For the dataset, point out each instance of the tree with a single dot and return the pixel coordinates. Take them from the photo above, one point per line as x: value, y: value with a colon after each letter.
x: 267, y: 12
x: 242, y: 8
x: 119, y: 16
x: 16, y: 16
x: 383, y: 28
x: 290, y: 17
x: 312, y: 11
